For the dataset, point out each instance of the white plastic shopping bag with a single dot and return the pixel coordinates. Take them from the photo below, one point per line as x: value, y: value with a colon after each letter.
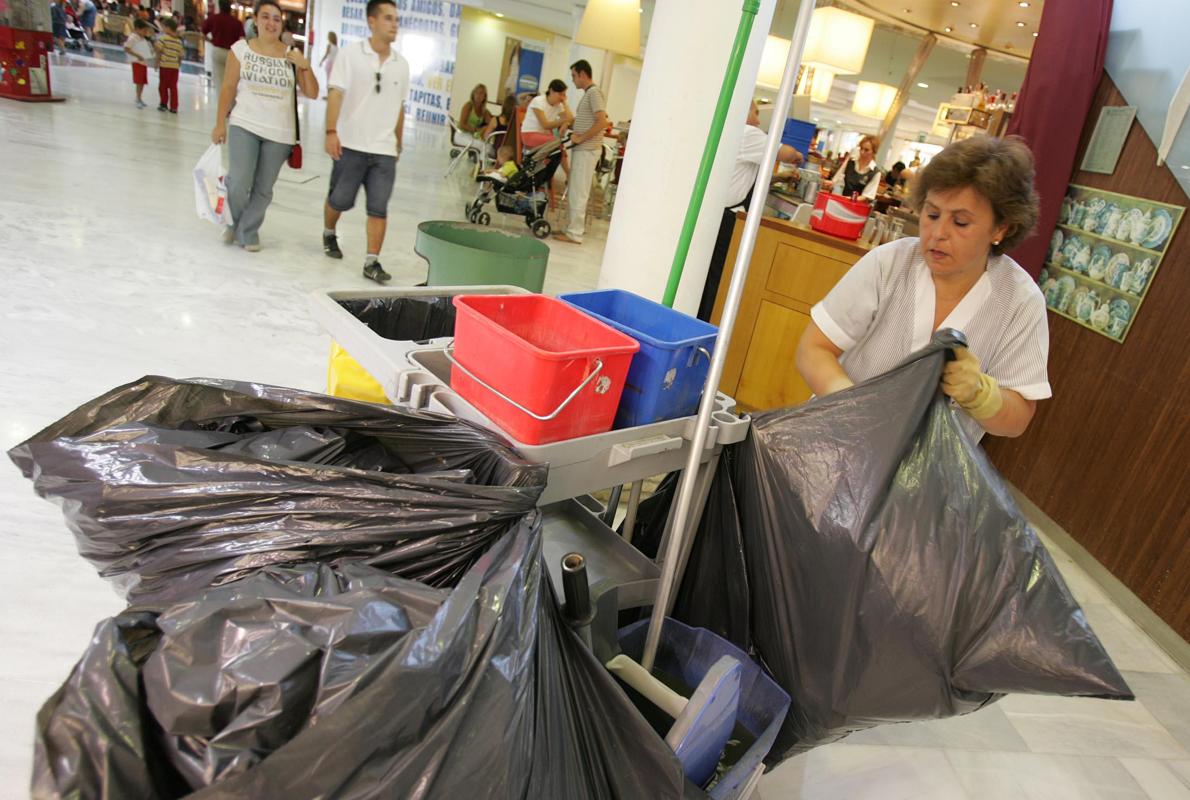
x: 210, y: 191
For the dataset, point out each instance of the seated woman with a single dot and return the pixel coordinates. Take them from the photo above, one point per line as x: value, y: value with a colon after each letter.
x: 474, y: 117
x: 546, y: 116
x: 506, y: 122
x: 976, y: 201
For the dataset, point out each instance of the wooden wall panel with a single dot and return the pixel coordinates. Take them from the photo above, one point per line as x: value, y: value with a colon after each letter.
x: 1108, y: 457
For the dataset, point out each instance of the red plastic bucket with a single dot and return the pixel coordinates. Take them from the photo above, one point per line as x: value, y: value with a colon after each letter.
x: 565, y: 369
x: 838, y: 216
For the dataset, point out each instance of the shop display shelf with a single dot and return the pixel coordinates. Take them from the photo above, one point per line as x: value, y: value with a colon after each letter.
x: 1077, y: 231
x: 1097, y: 284
x: 1078, y: 321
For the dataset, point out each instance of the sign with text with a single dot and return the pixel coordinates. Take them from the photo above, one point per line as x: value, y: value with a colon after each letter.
x: 427, y: 36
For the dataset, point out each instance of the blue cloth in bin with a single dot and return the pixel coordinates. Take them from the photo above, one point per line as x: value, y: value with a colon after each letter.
x: 689, y: 653
x: 667, y: 375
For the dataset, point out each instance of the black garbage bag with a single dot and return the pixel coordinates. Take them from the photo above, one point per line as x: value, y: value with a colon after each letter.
x: 174, y: 486
x: 405, y: 319
x: 344, y: 681
x: 890, y: 575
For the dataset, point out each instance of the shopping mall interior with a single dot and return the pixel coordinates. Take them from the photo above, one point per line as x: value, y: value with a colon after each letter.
x: 111, y: 276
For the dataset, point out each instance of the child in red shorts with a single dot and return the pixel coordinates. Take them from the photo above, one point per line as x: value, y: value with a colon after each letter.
x: 140, y: 50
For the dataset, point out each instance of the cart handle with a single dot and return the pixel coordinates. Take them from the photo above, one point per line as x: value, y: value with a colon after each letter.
x: 540, y: 418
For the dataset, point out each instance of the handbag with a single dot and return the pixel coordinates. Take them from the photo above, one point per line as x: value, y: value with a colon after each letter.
x: 295, y: 155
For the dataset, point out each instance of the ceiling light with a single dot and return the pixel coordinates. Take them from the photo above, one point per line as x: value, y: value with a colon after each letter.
x: 498, y: 14
x: 1023, y: 4
x: 948, y: 29
x: 873, y: 99
x: 838, y: 41
x: 907, y: 10
x: 1034, y: 34
x: 1020, y: 24
x: 973, y: 25
x: 923, y: 85
x: 954, y: 3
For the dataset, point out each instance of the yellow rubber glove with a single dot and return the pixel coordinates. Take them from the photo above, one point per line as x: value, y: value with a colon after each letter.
x: 976, y: 392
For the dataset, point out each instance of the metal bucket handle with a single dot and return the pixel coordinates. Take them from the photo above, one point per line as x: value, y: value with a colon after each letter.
x: 540, y: 418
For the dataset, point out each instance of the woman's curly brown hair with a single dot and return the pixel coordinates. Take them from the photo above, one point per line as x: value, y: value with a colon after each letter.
x: 999, y: 169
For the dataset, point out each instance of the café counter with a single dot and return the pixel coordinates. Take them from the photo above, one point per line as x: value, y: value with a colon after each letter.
x: 793, y: 267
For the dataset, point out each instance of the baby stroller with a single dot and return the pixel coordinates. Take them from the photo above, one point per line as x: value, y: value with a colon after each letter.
x: 523, y: 193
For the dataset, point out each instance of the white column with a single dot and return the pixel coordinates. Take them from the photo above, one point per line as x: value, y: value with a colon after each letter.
x: 688, y: 47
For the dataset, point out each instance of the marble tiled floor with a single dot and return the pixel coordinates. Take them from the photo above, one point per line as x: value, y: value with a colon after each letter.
x: 108, y: 275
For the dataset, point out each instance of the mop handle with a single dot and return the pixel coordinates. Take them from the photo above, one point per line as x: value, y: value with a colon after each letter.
x: 675, y: 545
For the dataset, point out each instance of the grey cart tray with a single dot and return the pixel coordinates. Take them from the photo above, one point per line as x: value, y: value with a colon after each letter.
x: 417, y: 375
x: 619, y: 575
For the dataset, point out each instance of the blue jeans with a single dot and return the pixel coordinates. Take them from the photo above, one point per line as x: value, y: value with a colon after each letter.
x: 253, y: 166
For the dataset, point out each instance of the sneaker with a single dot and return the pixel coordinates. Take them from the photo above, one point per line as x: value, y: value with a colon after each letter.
x: 141, y: 104
x: 330, y: 245
x: 173, y: 111
x: 376, y: 272
x: 229, y: 234
x: 162, y: 107
x: 252, y: 248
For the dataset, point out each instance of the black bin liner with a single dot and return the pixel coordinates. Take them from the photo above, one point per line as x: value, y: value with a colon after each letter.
x: 405, y: 319
x: 888, y: 574
x: 273, y: 652
x: 173, y: 486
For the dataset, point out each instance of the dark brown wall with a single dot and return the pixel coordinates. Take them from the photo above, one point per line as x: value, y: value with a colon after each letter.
x: 1108, y: 457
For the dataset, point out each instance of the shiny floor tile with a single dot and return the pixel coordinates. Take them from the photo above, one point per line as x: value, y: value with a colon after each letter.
x: 860, y: 772
x: 1032, y: 776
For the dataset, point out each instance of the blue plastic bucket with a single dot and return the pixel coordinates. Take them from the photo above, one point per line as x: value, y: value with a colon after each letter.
x: 687, y: 654
x: 667, y: 374
x: 798, y: 134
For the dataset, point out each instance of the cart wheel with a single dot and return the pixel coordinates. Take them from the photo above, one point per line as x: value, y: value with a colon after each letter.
x: 483, y: 218
x: 454, y: 152
x: 472, y: 216
x: 541, y: 228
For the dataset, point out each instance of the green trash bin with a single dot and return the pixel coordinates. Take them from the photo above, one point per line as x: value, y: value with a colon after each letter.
x: 462, y: 254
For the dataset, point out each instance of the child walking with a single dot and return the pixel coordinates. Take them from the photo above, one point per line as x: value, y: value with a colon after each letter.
x: 170, y: 51
x: 140, y: 50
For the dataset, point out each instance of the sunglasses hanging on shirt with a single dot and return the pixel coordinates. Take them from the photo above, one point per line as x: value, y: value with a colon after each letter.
x: 377, y: 83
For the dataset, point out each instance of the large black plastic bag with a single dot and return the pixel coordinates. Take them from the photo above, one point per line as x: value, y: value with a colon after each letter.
x: 890, y: 575
x: 173, y: 486
x: 343, y: 681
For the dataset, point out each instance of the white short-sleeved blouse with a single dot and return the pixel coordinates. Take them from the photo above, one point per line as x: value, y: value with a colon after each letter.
x: 883, y: 309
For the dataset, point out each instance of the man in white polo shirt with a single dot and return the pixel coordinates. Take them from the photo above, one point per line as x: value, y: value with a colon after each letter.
x: 365, y: 120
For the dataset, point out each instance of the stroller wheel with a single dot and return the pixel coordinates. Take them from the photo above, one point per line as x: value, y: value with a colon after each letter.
x: 541, y: 228
x: 483, y: 218
x: 454, y: 152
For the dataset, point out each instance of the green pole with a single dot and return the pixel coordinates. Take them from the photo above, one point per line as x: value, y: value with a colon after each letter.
x: 743, y: 32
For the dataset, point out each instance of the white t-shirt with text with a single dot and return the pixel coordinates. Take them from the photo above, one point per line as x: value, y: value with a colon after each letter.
x: 264, y: 95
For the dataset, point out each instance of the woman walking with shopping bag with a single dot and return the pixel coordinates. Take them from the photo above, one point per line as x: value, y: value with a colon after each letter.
x: 257, y: 118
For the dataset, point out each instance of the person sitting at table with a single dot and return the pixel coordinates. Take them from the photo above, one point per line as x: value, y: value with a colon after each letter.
x: 859, y: 175
x: 897, y: 177
x: 474, y: 117
x: 546, y: 114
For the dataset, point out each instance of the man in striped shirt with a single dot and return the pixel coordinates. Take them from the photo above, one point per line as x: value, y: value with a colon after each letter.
x: 169, y: 62
x: 590, y: 121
